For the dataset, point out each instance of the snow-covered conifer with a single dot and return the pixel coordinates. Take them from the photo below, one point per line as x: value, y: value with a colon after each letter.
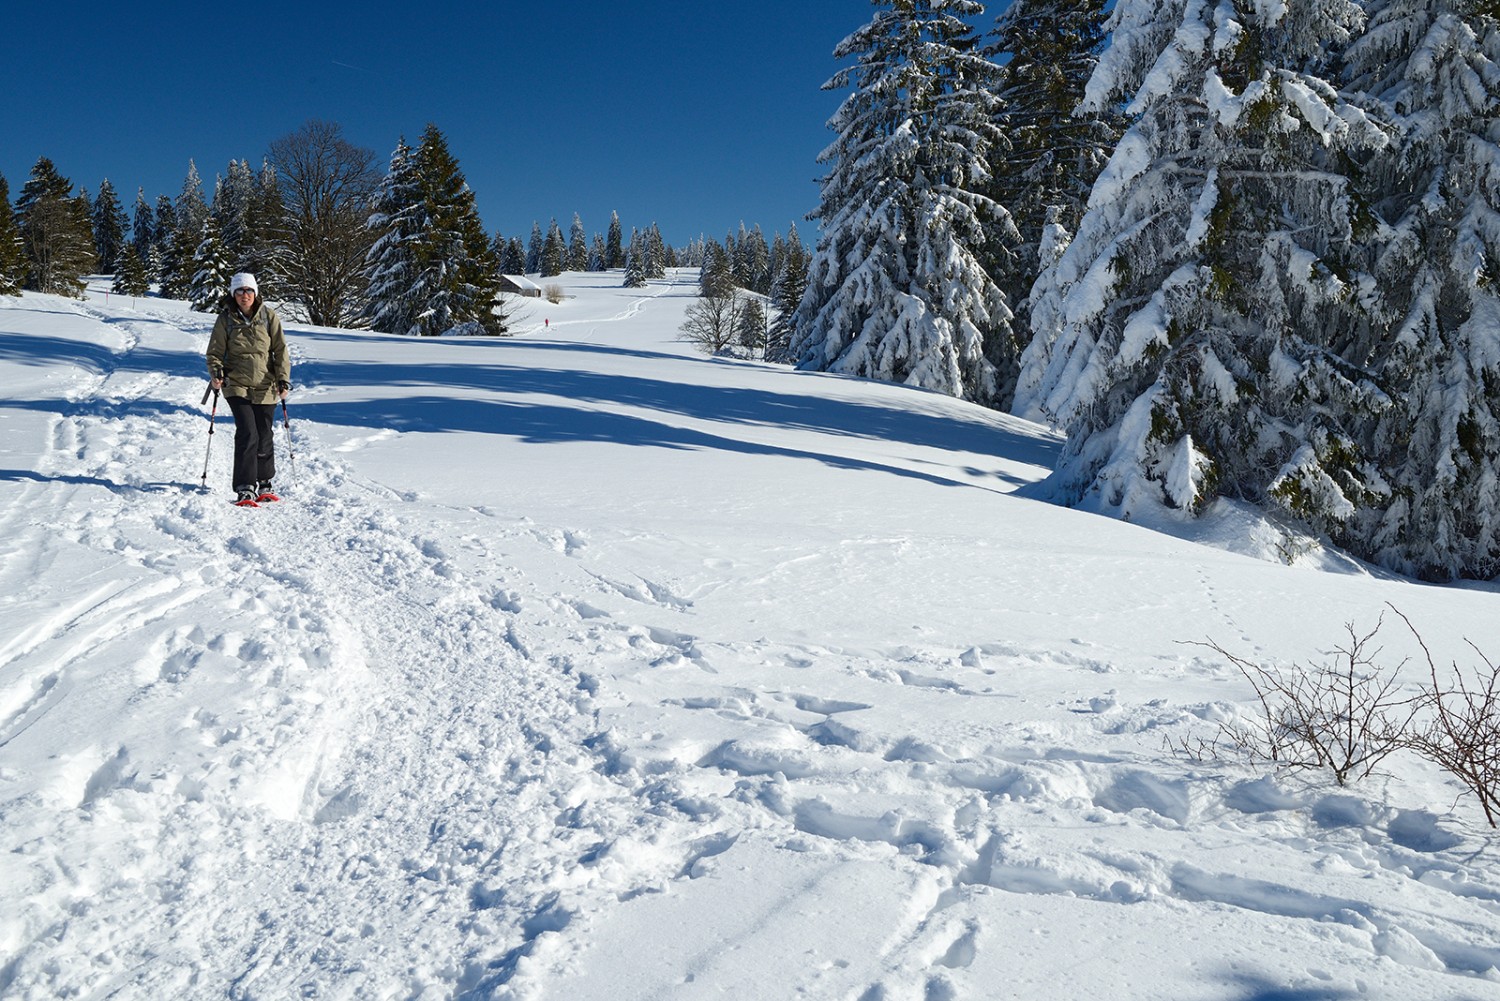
x: 212, y: 269
x: 399, y: 218
x: 164, y: 224
x: 231, y: 210
x: 456, y: 283
x: 653, y: 253
x: 578, y: 246
x: 1198, y: 336
x: 130, y: 276
x: 614, y: 255
x: 56, y: 236
x: 263, y: 248
x: 787, y: 289
x: 635, y: 264
x: 12, y: 256
x: 1050, y: 153
x: 750, y: 326
x: 716, y: 277
x: 111, y: 227
x: 1433, y: 68
x: 895, y: 291
x: 189, y: 210
x: 513, y: 261
x: 191, y: 207
x: 753, y: 262
x: 554, y: 252
x: 534, y: 249
x: 142, y: 226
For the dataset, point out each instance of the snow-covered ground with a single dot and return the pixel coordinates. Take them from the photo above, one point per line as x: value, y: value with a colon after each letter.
x: 580, y: 666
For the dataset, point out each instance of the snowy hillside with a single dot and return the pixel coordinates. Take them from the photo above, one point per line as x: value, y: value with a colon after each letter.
x: 578, y: 666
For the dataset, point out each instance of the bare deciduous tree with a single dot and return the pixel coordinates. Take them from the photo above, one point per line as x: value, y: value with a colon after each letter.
x: 712, y: 322
x: 326, y: 183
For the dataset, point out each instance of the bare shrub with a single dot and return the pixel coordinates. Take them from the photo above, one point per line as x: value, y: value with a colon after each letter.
x: 1345, y: 716
x: 1349, y: 715
x: 554, y: 293
x: 1462, y: 735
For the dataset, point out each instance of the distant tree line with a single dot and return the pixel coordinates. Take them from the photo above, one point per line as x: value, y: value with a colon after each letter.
x: 750, y: 290
x: 329, y: 235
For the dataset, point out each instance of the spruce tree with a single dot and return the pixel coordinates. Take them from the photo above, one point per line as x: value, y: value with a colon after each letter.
x: 534, y: 249
x: 191, y: 207
x: 554, y: 252
x: 399, y: 218
x: 164, y: 224
x: 635, y: 264
x: 130, y: 276
x: 1051, y: 154
x: 896, y: 291
x: 56, y: 237
x: 233, y: 196
x: 513, y: 260
x: 1200, y: 335
x: 653, y: 253
x: 787, y: 290
x: 614, y: 256
x: 750, y: 326
x: 177, y: 267
x: 716, y: 277
x: 432, y: 269
x: 12, y: 256
x: 263, y: 247
x: 480, y: 304
x: 597, y: 254
x: 754, y: 262
x: 212, y: 267
x: 110, y: 225
x: 188, y: 213
x: 142, y: 227
x: 578, y: 246
x: 1436, y: 193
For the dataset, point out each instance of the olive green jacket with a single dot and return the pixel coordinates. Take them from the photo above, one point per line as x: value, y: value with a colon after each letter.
x: 249, y: 353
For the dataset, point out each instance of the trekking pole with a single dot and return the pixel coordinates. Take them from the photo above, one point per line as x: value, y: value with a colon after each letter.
x: 212, y: 414
x: 286, y: 425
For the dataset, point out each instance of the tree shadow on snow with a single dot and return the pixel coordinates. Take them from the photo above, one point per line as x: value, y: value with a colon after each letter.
x: 116, y: 409
x: 98, y: 359
x: 543, y: 423
x: 27, y: 476
x: 1257, y: 988
x: 984, y: 433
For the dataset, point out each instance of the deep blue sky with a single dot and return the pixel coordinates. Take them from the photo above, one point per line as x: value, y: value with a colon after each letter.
x: 693, y: 115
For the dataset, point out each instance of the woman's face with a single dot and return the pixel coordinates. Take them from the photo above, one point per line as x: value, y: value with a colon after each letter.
x: 245, y: 299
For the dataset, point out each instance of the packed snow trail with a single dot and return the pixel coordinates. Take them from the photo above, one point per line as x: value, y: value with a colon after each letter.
x: 397, y: 773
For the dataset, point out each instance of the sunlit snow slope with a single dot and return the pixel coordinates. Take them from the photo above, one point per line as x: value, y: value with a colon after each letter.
x: 576, y: 665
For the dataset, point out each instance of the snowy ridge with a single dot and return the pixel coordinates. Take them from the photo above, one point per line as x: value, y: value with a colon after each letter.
x: 587, y: 668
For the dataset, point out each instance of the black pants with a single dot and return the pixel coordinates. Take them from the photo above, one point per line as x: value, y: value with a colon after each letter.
x: 254, y: 453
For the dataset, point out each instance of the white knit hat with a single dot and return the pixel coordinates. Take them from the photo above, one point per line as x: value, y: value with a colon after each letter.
x: 243, y: 280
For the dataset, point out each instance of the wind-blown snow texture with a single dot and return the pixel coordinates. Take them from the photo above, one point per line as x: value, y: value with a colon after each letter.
x: 576, y: 666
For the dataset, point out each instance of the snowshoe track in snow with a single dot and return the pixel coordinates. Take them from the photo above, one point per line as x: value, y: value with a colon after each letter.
x: 375, y: 747
x: 404, y: 745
